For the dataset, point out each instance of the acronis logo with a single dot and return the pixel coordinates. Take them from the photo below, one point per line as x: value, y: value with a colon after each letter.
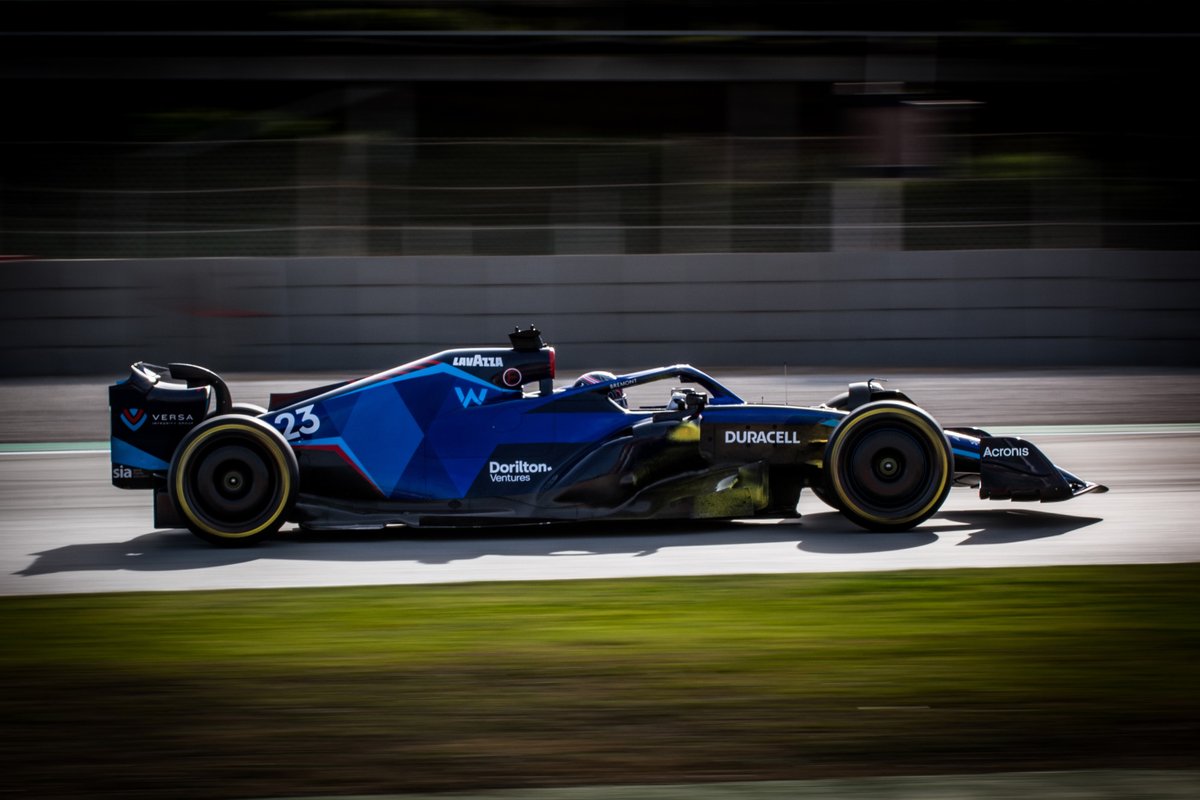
x: 470, y: 397
x: 1005, y: 452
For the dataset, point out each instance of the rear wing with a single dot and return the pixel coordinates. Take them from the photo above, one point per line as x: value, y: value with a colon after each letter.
x: 149, y: 416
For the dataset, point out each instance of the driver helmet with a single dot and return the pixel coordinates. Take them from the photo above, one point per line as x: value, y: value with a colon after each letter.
x: 599, y: 376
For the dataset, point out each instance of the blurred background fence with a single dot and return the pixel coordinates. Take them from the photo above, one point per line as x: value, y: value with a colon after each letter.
x: 359, y: 195
x: 355, y: 315
x: 290, y: 184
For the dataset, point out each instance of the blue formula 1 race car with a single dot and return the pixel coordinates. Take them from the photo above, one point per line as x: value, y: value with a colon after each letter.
x: 480, y: 435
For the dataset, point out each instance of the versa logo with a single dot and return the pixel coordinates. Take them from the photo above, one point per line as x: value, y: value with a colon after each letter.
x: 133, y: 418
x: 469, y: 398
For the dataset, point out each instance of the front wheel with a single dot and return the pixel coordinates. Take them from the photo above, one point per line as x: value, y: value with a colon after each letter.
x: 888, y: 466
x: 233, y: 480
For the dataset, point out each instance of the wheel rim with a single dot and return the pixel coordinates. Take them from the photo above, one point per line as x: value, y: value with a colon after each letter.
x: 233, y: 483
x: 890, y: 470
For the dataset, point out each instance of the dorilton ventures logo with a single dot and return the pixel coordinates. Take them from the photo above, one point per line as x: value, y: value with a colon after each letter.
x: 515, y: 471
x: 478, y: 361
x: 762, y: 437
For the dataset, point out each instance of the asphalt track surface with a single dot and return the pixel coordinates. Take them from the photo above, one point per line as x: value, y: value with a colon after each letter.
x: 65, y: 529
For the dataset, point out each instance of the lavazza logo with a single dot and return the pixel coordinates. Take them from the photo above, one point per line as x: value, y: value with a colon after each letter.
x: 1005, y: 452
x: 478, y: 361
x: 515, y: 471
x: 762, y: 437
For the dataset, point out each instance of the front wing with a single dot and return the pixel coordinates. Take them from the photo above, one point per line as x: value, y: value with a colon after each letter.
x: 1012, y: 468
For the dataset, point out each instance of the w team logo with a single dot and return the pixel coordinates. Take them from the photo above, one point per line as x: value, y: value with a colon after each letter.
x: 469, y: 397
x: 133, y: 418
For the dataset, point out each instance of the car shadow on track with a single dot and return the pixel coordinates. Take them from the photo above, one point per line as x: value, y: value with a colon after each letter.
x: 169, y: 550
x: 1007, y: 526
x: 825, y: 533
x: 832, y: 534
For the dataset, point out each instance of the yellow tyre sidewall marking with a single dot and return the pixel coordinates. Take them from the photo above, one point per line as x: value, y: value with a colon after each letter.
x: 181, y: 471
x: 923, y: 425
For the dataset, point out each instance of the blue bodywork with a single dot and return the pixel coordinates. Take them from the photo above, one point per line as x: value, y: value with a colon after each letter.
x: 477, y: 435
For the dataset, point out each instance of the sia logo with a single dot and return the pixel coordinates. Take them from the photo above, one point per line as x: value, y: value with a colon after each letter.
x: 133, y: 418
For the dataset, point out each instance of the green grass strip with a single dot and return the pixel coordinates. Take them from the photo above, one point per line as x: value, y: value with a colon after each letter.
x: 51, y: 447
x: 678, y: 680
x: 1089, y: 784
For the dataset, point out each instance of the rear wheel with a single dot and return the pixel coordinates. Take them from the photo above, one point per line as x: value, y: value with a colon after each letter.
x: 888, y: 466
x: 247, y: 409
x: 241, y: 409
x: 233, y: 480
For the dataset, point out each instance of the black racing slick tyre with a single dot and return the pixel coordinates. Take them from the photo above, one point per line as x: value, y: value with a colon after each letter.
x: 247, y: 409
x: 823, y: 495
x: 888, y: 466
x: 233, y: 480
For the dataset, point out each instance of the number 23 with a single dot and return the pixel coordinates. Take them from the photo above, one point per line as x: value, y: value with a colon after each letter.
x: 309, y: 423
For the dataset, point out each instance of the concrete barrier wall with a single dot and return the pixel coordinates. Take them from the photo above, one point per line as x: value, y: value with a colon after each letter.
x: 984, y: 308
